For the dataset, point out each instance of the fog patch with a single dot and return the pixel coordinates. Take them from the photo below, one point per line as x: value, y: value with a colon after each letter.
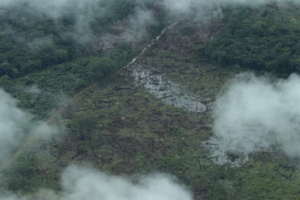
x: 37, y: 43
x: 256, y: 114
x: 80, y: 183
x: 138, y: 25
x: 33, y: 89
x: 16, y: 125
x: 185, y: 6
x: 60, y: 98
x: 88, y: 13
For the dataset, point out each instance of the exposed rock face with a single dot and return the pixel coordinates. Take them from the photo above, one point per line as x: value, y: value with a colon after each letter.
x: 168, y: 91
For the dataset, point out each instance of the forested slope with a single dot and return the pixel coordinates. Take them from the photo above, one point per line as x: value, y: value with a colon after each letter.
x: 265, y: 38
x: 119, y: 127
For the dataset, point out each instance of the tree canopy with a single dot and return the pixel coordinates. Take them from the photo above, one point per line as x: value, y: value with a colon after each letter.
x: 265, y: 38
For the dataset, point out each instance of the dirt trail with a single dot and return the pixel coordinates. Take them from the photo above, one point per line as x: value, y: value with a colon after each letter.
x: 130, y: 63
x: 57, y: 112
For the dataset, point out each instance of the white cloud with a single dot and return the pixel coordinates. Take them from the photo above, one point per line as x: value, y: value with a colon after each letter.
x: 252, y: 114
x: 16, y: 125
x: 83, y: 183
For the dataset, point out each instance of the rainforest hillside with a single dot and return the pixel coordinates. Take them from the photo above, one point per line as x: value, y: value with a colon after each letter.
x: 126, y: 95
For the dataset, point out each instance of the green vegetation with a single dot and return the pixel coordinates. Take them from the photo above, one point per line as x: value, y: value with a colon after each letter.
x: 57, y: 83
x: 44, y: 41
x: 118, y: 127
x: 266, y: 38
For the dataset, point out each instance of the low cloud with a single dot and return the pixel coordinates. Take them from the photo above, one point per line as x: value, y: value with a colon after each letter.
x: 138, y: 25
x: 256, y: 114
x: 37, y: 43
x: 80, y: 183
x: 88, y: 14
x: 16, y: 125
x: 184, y: 6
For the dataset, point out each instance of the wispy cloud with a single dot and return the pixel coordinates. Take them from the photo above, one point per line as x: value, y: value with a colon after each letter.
x: 84, y: 183
x: 16, y: 125
x: 254, y: 114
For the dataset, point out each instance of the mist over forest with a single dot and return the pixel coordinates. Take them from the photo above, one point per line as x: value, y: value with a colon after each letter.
x: 149, y: 99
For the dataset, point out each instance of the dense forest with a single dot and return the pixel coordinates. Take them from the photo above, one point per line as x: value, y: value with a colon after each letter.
x: 65, y: 73
x: 55, y: 48
x: 43, y: 42
x: 259, y: 39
